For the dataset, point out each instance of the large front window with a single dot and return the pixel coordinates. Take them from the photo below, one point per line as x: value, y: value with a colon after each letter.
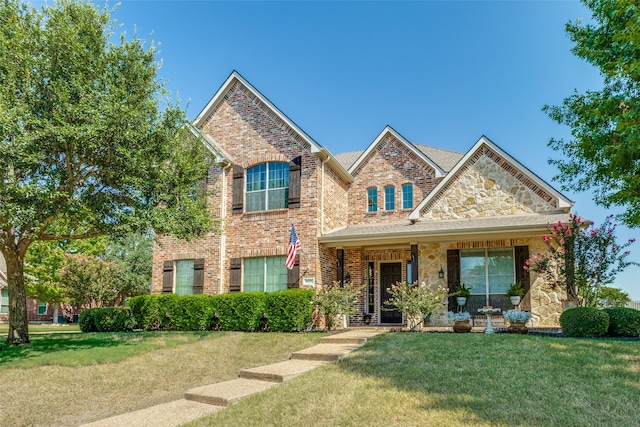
x: 4, y: 301
x: 487, y: 271
x: 268, y: 186
x: 184, y: 277
x: 265, y: 274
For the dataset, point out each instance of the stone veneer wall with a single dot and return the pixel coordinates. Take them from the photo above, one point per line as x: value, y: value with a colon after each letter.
x: 486, y: 188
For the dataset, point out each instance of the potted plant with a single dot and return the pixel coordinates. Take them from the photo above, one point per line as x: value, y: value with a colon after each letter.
x: 367, y: 318
x: 515, y: 293
x: 461, y: 293
x: 517, y: 321
x: 461, y: 321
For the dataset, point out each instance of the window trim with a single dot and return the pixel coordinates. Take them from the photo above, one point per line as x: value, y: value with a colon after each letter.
x: 486, y: 268
x: 264, y: 273
x: 175, y: 275
x: 404, y: 204
x: 372, y: 205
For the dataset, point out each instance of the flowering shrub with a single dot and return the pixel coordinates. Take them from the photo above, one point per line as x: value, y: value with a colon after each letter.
x: 336, y: 300
x: 416, y: 301
x: 516, y: 316
x: 580, y: 258
x: 460, y: 315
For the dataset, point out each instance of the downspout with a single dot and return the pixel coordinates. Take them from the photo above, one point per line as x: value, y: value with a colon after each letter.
x: 223, y: 232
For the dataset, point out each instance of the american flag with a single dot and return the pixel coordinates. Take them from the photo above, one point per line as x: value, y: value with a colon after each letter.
x: 294, y: 247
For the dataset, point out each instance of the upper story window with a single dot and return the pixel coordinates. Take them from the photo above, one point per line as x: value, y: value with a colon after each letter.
x: 407, y: 196
x: 267, y: 186
x: 372, y: 200
x: 389, y: 198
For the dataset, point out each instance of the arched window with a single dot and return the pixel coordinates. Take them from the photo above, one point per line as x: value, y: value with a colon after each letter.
x: 267, y: 186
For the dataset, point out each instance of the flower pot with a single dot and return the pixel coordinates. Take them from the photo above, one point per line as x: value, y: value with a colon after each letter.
x: 462, y: 326
x: 461, y: 300
x: 515, y: 300
x: 517, y: 328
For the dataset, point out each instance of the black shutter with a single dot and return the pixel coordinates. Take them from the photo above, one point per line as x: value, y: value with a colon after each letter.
x: 453, y: 274
x: 235, y: 274
x: 340, y: 266
x: 293, y: 275
x: 198, y: 276
x: 238, y: 190
x: 167, y: 277
x: 521, y: 256
x: 295, y: 178
x: 414, y: 264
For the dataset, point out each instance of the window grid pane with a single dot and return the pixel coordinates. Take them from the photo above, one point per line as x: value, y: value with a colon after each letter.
x: 4, y: 301
x: 372, y: 200
x: 42, y: 308
x: 184, y: 277
x: 276, y: 274
x: 389, y: 198
x: 264, y: 193
x: 407, y: 196
x: 473, y: 271
x: 487, y: 270
x: 500, y: 266
x: 265, y: 274
x: 253, y: 275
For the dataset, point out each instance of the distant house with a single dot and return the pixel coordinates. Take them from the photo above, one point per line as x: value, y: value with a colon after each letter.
x: 395, y: 211
x: 36, y: 311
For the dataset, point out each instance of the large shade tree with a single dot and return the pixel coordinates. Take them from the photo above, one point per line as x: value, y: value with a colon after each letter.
x: 604, y: 151
x: 90, y: 144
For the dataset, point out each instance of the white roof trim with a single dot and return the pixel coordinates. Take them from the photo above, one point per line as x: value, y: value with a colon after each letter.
x: 563, y: 202
x: 389, y: 130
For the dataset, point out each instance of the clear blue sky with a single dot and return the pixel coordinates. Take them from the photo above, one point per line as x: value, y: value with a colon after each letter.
x: 440, y: 73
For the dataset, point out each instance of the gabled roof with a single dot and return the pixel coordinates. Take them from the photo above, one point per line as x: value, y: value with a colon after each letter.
x: 388, y: 130
x: 562, y: 201
x: 315, y: 148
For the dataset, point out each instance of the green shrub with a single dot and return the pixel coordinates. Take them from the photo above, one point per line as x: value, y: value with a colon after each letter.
x: 238, y: 312
x: 86, y: 320
x: 623, y: 322
x: 152, y: 312
x: 191, y: 313
x: 584, y: 322
x: 289, y: 310
x: 113, y: 319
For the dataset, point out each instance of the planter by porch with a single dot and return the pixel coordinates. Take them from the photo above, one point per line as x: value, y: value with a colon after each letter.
x: 462, y: 326
x: 517, y: 328
x: 461, y: 301
x: 515, y: 300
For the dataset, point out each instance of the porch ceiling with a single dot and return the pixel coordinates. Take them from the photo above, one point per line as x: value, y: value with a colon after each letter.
x: 442, y: 230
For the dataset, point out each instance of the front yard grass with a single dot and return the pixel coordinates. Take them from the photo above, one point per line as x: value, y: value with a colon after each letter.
x: 72, y: 379
x: 407, y: 379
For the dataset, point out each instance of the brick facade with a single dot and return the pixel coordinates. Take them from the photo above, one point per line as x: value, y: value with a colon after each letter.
x: 250, y: 131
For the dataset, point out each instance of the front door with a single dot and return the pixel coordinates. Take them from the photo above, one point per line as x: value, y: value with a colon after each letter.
x: 390, y: 274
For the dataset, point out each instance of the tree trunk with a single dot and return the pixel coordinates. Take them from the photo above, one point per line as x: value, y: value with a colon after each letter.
x: 18, y: 320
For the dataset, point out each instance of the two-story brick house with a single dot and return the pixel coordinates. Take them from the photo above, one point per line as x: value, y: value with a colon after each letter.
x: 395, y: 211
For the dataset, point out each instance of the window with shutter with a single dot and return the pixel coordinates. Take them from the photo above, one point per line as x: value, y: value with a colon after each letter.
x: 235, y: 274
x: 238, y: 190
x: 198, y: 276
x: 453, y: 275
x: 414, y: 265
x: 293, y: 275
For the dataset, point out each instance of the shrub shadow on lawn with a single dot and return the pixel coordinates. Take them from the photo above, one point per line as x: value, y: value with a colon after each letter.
x: 509, y: 379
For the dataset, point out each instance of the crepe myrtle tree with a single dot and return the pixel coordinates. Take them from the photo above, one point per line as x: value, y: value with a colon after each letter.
x: 90, y: 143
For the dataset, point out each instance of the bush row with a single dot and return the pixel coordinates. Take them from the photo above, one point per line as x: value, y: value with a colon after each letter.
x: 592, y: 322
x: 284, y: 311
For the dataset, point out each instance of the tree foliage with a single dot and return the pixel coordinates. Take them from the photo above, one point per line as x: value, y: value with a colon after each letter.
x: 89, y: 142
x: 604, y: 151
x: 612, y: 297
x: 415, y: 300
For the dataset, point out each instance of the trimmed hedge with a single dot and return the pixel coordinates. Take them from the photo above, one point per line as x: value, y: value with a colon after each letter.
x: 86, y: 320
x: 623, y: 322
x: 113, y: 319
x: 290, y: 310
x: 586, y: 322
x: 284, y: 311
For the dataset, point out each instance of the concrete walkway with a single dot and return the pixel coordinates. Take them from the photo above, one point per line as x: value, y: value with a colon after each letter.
x: 201, y: 401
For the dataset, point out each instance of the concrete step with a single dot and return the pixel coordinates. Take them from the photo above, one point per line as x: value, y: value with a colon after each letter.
x: 165, y: 415
x: 282, y: 371
x: 325, y: 352
x: 337, y: 339
x: 224, y: 393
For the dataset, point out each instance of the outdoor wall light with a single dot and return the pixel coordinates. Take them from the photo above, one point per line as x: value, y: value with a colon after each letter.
x: 441, y: 273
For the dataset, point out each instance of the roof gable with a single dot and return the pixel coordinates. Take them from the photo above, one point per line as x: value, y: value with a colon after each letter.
x: 485, y: 151
x: 388, y: 130
x: 236, y: 81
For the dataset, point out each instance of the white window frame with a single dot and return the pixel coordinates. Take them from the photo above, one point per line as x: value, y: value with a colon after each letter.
x: 269, y: 167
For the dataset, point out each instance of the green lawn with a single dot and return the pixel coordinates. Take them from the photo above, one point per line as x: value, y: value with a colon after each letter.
x: 72, y: 379
x: 44, y: 327
x: 406, y: 379
x: 397, y: 379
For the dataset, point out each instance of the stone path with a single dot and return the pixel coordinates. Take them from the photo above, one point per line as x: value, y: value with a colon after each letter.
x: 201, y: 401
